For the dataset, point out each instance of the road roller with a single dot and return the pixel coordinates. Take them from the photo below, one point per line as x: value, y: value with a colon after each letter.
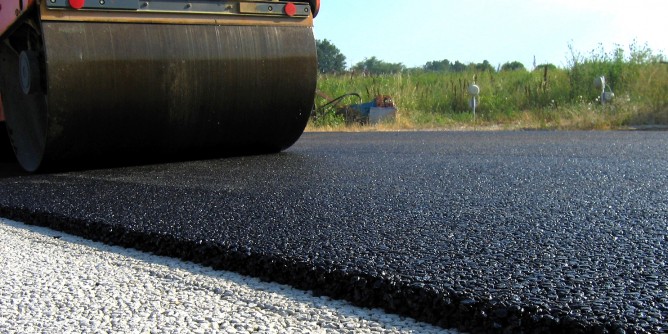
x: 115, y: 82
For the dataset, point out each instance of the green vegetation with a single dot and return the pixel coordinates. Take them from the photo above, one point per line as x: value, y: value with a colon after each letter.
x: 330, y: 58
x: 375, y: 66
x: 435, y: 96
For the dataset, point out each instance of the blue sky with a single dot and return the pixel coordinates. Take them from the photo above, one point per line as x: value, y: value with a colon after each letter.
x: 415, y: 32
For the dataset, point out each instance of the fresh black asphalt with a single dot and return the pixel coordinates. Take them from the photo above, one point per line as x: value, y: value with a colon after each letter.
x: 534, y: 232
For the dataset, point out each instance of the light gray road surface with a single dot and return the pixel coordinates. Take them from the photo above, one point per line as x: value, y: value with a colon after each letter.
x: 52, y: 282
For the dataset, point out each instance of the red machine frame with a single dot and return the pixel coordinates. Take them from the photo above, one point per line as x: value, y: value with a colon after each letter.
x: 10, y: 11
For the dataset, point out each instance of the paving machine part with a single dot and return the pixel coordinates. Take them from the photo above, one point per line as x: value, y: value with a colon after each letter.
x: 381, y: 109
x: 121, y: 81
x: 6, y: 152
x: 332, y: 106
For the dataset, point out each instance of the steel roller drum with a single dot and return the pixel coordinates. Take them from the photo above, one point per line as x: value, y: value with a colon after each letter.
x: 6, y: 153
x: 135, y: 92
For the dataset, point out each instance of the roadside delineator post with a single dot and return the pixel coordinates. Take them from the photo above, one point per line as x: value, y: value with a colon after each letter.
x: 474, y: 90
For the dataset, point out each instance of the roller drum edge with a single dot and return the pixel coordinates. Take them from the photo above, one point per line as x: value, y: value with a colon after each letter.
x: 6, y: 152
x: 127, y: 92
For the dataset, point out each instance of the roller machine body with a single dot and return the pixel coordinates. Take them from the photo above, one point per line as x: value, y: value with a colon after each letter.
x: 89, y: 82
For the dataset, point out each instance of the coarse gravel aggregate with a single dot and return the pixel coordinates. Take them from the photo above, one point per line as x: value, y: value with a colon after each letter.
x: 527, y: 232
x: 52, y: 282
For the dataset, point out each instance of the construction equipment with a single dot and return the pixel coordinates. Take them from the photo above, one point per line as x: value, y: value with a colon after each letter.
x: 6, y: 153
x: 119, y: 81
x: 380, y: 109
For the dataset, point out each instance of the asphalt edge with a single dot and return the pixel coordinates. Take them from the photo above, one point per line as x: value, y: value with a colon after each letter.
x: 444, y: 309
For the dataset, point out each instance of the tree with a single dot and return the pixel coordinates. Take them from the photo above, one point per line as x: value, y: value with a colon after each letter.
x: 458, y: 66
x: 485, y: 66
x: 446, y: 66
x: 513, y: 66
x: 330, y: 59
x: 437, y: 66
x: 374, y: 65
x: 542, y: 67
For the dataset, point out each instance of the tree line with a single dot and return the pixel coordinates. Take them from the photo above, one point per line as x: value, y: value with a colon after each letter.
x: 331, y: 60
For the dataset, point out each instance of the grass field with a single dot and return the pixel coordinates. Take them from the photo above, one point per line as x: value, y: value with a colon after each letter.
x: 545, y: 98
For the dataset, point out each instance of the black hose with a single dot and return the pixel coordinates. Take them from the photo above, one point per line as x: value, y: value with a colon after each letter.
x: 338, y: 99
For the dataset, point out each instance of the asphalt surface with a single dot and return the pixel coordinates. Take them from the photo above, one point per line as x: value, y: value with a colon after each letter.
x: 483, y: 231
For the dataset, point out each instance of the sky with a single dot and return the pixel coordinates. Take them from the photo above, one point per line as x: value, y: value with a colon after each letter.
x: 500, y: 31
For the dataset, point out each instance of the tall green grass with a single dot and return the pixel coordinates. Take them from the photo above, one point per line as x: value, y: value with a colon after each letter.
x: 547, y: 97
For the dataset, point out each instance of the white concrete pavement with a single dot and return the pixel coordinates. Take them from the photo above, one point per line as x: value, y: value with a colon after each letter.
x: 51, y: 282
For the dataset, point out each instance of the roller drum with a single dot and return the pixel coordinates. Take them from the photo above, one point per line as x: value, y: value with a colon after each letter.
x: 126, y: 92
x: 6, y: 152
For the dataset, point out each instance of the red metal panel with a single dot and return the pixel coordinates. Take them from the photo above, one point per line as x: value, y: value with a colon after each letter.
x: 315, y: 7
x: 10, y: 10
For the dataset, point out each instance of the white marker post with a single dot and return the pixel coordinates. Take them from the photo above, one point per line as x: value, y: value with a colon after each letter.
x: 474, y: 90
